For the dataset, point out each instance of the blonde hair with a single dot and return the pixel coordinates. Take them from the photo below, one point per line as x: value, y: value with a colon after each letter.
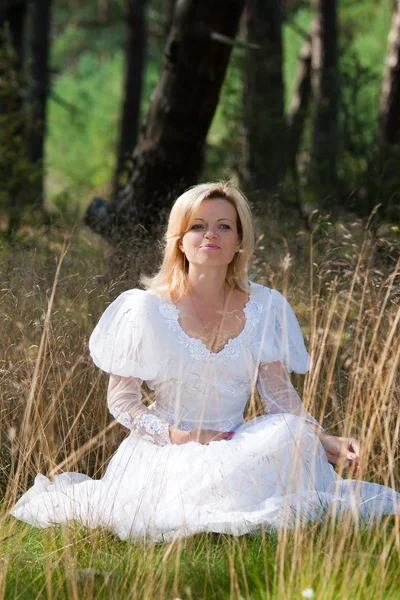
x: 172, y: 276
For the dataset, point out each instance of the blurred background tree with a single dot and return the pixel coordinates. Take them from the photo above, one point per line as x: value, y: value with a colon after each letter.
x: 117, y: 105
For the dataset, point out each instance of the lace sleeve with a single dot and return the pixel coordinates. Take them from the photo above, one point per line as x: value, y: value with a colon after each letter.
x: 124, y: 403
x: 278, y: 395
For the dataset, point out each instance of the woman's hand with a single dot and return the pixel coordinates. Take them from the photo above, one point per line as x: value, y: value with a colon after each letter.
x: 202, y: 436
x: 342, y: 451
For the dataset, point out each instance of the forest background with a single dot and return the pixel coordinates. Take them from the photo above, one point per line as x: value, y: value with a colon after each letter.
x: 299, y: 104
x: 296, y: 128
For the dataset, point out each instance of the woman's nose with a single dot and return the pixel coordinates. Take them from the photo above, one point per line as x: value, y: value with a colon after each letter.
x: 209, y: 233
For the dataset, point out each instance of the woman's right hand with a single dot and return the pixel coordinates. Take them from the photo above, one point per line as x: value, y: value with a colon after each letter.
x: 202, y: 436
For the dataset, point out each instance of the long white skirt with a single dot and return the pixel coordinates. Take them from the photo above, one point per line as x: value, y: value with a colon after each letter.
x: 273, y: 473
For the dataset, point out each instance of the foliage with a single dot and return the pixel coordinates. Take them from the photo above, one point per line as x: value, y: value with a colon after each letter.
x: 17, y: 174
x: 86, y: 99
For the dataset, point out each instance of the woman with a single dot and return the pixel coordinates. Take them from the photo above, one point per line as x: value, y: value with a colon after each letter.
x: 202, y: 336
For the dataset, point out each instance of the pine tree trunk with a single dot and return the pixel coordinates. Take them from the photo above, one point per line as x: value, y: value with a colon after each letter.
x: 325, y: 82
x: 7, y: 6
x: 389, y: 122
x: 168, y: 15
x: 169, y: 154
x: 300, y: 103
x: 135, y: 59
x: 12, y: 22
x: 40, y: 51
x: 17, y: 18
x: 265, y: 138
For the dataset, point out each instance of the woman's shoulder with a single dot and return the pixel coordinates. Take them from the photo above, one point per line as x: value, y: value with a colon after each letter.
x: 260, y: 292
x: 257, y: 288
x: 266, y: 293
x: 135, y: 301
x: 137, y: 296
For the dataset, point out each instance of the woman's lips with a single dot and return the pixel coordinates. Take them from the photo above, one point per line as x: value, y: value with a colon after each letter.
x: 210, y: 247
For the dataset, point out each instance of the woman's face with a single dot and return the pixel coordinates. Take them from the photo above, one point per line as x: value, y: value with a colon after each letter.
x: 212, y: 238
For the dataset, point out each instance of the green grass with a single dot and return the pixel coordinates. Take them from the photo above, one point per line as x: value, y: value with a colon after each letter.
x: 71, y: 562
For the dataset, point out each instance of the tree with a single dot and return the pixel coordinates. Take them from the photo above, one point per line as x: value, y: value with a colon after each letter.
x: 325, y: 88
x: 299, y: 106
x: 169, y: 7
x: 135, y: 59
x: 169, y: 155
x: 263, y: 97
x: 12, y: 29
x: 40, y: 51
x: 7, y: 7
x: 389, y: 121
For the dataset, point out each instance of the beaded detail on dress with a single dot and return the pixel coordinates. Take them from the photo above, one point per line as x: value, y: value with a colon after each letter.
x: 227, y: 425
x: 122, y: 417
x: 150, y: 427
x: 197, y: 348
x: 235, y: 386
x: 188, y: 424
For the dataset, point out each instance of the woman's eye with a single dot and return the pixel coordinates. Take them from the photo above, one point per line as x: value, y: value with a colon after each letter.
x: 201, y: 226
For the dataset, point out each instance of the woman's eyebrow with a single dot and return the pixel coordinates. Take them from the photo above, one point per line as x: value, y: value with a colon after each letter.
x: 223, y: 219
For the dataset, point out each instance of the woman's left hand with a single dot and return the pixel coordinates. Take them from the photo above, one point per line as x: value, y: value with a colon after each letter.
x: 342, y: 451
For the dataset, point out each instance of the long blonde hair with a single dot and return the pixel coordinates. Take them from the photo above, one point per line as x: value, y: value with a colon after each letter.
x: 172, y: 276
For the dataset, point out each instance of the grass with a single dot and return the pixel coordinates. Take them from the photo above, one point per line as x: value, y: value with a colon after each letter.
x: 343, y: 283
x: 74, y: 563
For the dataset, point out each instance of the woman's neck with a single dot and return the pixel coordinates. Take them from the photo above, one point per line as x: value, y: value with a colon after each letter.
x: 207, y: 285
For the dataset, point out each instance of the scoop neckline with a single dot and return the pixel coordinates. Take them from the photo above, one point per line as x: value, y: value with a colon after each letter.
x: 231, y: 341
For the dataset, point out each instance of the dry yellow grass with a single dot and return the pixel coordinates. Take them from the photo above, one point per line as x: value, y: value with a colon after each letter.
x: 344, y: 285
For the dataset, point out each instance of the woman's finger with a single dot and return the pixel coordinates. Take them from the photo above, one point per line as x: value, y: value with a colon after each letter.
x: 354, y: 446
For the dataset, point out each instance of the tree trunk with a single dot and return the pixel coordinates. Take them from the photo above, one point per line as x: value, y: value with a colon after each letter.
x: 169, y: 154
x: 14, y: 20
x: 325, y: 81
x: 7, y: 6
x: 168, y: 15
x: 389, y: 122
x: 265, y: 129
x: 135, y: 58
x: 40, y: 50
x: 299, y: 106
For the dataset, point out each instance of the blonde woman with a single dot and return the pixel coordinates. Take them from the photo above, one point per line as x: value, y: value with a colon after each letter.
x: 203, y: 336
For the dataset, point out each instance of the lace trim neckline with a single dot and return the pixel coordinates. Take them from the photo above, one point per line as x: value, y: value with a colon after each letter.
x: 196, y: 345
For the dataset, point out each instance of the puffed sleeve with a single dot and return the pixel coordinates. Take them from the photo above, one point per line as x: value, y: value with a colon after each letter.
x: 281, y: 336
x: 124, y: 344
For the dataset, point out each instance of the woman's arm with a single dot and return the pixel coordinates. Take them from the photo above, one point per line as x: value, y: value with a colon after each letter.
x: 278, y: 396
x: 125, y: 405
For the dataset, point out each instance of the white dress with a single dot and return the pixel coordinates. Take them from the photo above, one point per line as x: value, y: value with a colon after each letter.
x: 272, y: 473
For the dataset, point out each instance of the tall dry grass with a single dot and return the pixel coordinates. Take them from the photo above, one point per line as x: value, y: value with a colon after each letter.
x: 343, y: 282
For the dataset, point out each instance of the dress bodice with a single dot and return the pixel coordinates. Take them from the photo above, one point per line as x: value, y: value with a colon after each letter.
x: 139, y: 337
x: 196, y: 385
